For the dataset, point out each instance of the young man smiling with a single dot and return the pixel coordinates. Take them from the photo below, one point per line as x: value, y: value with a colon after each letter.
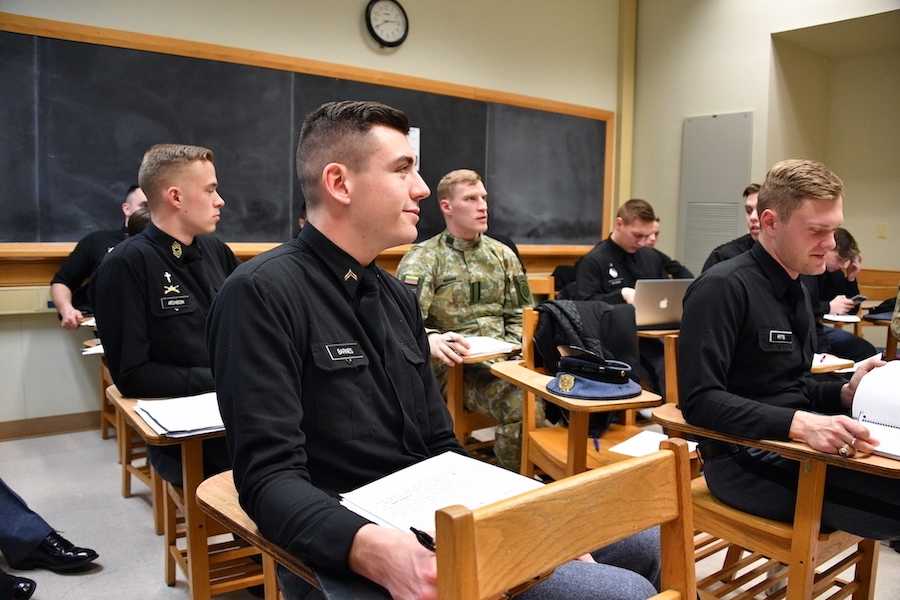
x: 322, y: 372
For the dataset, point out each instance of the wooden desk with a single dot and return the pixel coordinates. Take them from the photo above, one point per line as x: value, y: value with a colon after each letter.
x: 811, y: 483
x: 568, y: 448
x: 195, y: 561
x: 466, y: 421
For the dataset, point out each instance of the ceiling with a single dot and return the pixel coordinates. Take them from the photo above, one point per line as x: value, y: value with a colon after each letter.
x: 875, y: 33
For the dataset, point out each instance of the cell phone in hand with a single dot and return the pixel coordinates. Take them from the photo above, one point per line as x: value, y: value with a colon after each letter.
x: 859, y: 298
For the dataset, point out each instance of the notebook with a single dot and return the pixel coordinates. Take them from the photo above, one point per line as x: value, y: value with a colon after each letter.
x: 657, y: 302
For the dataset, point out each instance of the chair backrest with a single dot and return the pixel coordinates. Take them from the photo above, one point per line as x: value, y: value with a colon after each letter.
x: 543, y: 286
x: 484, y: 552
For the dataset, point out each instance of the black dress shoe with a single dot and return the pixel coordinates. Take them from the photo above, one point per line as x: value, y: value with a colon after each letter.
x: 57, y: 554
x: 15, y: 588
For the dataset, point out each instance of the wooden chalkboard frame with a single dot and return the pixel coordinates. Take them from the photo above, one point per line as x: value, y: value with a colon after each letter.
x: 143, y: 42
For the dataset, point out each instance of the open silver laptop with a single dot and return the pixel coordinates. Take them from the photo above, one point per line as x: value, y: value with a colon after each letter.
x: 657, y: 302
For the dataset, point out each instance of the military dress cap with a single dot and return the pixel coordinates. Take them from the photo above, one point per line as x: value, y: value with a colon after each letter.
x: 593, y: 379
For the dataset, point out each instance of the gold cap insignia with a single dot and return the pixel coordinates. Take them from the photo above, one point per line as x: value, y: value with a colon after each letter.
x: 566, y: 382
x: 350, y: 275
x: 177, y: 250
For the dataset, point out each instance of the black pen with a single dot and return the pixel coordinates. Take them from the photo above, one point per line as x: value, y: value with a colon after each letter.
x: 424, y: 539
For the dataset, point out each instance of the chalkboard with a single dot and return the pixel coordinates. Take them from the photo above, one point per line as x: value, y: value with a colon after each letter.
x: 75, y: 119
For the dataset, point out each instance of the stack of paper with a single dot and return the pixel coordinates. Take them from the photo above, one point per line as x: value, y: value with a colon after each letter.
x: 182, y: 417
x: 479, y: 344
x: 98, y: 349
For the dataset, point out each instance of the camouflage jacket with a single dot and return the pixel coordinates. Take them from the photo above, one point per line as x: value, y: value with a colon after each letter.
x: 473, y: 288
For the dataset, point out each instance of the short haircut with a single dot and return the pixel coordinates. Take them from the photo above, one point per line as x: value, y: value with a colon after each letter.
x: 845, y: 244
x: 338, y: 132
x: 445, y: 185
x: 792, y: 181
x: 162, y: 162
x: 131, y: 188
x: 753, y: 188
x: 636, y: 209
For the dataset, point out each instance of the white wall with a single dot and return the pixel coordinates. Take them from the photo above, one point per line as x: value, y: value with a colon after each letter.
x: 707, y: 57
x: 564, y: 52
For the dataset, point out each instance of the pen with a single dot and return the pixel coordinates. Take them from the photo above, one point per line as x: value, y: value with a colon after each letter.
x: 822, y: 359
x: 597, y: 444
x: 424, y: 539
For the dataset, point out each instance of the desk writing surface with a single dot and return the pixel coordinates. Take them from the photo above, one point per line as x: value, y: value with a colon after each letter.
x: 147, y: 433
x: 670, y: 417
x: 516, y: 373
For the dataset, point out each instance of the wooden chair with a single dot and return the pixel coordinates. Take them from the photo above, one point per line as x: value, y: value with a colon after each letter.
x: 543, y: 286
x: 107, y: 412
x: 563, y: 451
x: 466, y: 421
x: 803, y: 546
x: 485, y: 552
x: 133, y: 460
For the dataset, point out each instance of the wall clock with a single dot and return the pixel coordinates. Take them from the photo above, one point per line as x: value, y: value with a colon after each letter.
x: 386, y: 22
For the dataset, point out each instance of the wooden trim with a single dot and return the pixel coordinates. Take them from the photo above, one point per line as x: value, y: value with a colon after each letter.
x: 35, y: 263
x: 41, y: 426
x: 152, y: 43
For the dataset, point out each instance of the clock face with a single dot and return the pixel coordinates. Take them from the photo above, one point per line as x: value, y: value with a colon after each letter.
x: 387, y: 22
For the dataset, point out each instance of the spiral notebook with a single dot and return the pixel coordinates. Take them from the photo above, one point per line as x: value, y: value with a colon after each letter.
x: 877, y: 406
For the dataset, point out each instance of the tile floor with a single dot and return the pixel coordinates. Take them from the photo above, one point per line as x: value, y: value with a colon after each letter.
x: 73, y: 481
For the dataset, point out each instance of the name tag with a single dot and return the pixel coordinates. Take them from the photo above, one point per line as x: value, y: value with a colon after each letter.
x: 781, y: 337
x: 175, y: 303
x: 345, y: 351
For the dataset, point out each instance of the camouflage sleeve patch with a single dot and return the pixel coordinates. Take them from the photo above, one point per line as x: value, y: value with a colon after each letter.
x: 523, y: 290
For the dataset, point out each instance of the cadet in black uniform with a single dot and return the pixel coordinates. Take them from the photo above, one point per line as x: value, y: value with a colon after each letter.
x: 610, y: 270
x: 69, y: 287
x: 748, y: 332
x: 153, y: 292
x: 322, y: 370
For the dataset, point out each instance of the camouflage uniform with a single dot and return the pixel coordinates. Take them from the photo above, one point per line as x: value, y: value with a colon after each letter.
x: 475, y: 288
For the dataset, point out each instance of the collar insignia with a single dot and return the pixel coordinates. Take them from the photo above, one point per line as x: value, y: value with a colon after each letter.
x: 350, y: 275
x: 171, y: 289
x: 177, y: 250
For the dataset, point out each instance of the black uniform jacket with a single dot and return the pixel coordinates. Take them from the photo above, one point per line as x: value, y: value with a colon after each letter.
x: 311, y: 407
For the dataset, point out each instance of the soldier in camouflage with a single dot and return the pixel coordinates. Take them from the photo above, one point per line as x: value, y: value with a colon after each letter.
x: 470, y: 284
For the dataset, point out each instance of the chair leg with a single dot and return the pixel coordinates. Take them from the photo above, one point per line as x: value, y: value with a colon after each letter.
x: 270, y: 581
x: 171, y: 525
x: 865, y: 570
x: 157, y: 491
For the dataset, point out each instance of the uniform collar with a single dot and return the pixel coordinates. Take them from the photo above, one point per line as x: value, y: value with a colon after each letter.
x: 775, y: 273
x: 344, y: 267
x: 461, y: 245
x: 181, y: 252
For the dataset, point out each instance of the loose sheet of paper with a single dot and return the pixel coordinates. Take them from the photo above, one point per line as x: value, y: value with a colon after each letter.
x: 410, y: 497
x: 644, y: 443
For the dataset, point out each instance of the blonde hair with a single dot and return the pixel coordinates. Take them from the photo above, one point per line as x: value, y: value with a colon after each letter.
x: 792, y: 181
x: 162, y: 162
x: 445, y: 185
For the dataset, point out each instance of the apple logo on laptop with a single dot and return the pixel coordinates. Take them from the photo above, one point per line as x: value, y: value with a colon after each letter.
x: 664, y: 303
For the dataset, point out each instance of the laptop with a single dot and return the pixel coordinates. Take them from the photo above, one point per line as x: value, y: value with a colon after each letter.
x: 658, y: 302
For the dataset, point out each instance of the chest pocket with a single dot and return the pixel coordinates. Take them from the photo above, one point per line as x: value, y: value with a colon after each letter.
x: 341, y: 392
x: 776, y: 340
x: 413, y: 392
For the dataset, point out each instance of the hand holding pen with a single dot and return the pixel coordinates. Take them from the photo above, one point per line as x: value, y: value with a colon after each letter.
x: 448, y: 347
